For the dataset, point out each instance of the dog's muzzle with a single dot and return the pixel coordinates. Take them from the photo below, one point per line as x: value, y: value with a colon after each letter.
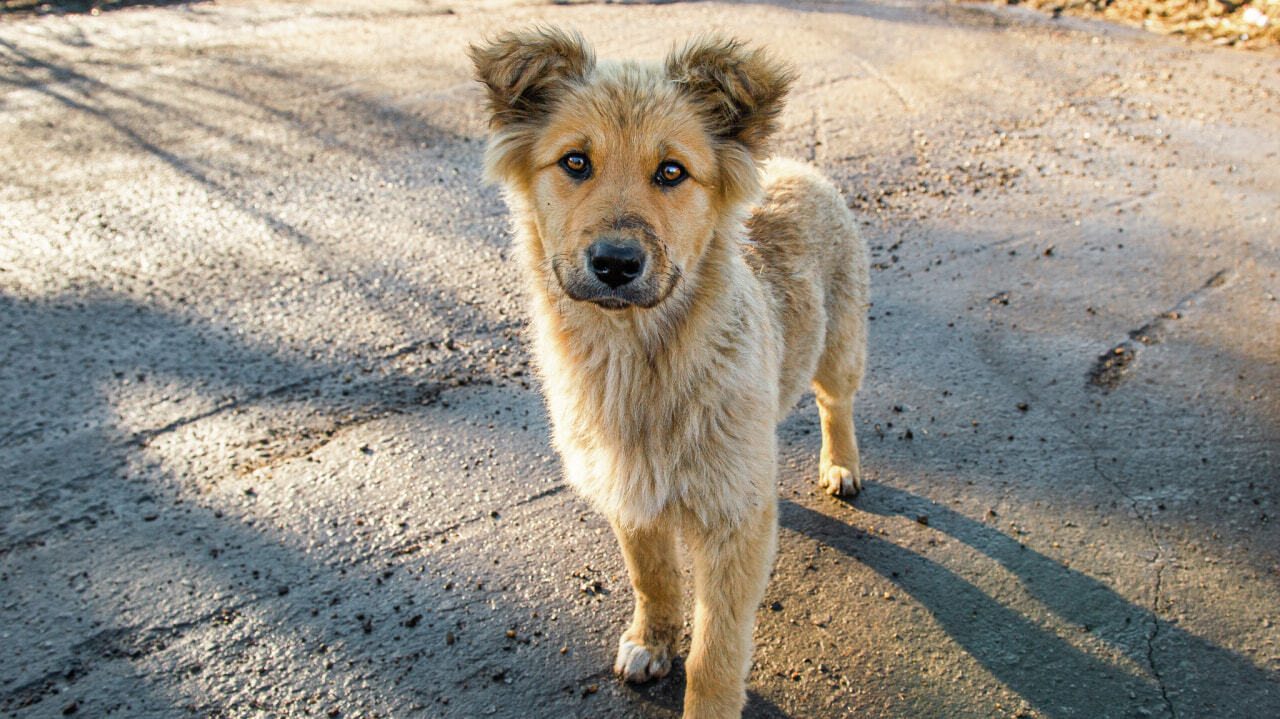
x: 613, y: 273
x: 615, y: 262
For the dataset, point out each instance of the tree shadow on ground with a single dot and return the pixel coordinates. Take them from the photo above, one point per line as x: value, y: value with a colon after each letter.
x: 134, y: 116
x: 80, y: 7
x: 93, y: 500
x: 177, y: 592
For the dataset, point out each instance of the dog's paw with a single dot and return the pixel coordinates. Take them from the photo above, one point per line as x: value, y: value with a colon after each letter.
x: 638, y: 663
x: 840, y: 482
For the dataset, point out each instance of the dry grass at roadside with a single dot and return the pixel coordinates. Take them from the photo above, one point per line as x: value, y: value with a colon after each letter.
x: 1251, y: 25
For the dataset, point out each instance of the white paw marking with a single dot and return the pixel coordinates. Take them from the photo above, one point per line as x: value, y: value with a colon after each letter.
x: 637, y: 663
x: 839, y: 481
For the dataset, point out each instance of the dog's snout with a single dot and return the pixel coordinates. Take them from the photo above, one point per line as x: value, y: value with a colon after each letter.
x: 615, y: 262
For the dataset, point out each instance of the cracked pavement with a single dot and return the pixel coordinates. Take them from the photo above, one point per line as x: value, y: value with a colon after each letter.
x: 271, y: 444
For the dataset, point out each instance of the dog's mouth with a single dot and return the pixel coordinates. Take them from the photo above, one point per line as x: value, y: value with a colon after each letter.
x: 643, y: 296
x: 581, y: 283
x: 611, y: 303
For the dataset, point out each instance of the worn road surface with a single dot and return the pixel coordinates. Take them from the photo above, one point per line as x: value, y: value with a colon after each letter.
x: 270, y: 445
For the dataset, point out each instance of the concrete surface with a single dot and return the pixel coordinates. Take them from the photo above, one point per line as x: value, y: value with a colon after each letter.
x: 269, y: 445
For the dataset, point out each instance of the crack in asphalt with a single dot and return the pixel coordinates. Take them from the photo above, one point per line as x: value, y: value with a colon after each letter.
x: 1159, y: 568
x: 130, y: 643
x: 1106, y: 374
x: 36, y: 538
x: 1108, y: 371
x: 89, y: 518
x: 1151, y: 645
x: 144, y: 437
x: 1111, y: 367
x: 1146, y: 524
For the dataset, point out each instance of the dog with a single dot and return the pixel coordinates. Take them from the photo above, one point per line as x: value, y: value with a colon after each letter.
x: 684, y: 294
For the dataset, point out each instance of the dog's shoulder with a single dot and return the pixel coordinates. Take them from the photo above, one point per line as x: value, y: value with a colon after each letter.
x: 800, y: 212
x: 800, y: 192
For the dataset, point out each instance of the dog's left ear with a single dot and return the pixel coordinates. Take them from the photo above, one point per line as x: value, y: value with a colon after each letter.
x: 740, y: 91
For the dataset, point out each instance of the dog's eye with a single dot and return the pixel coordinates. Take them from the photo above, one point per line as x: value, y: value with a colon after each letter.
x: 577, y: 165
x: 669, y: 174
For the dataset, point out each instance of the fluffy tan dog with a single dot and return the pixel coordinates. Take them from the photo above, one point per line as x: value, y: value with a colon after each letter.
x: 683, y: 297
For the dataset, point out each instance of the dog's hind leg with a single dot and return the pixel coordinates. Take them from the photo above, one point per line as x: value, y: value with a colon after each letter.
x: 731, y: 567
x: 646, y: 649
x: 835, y: 383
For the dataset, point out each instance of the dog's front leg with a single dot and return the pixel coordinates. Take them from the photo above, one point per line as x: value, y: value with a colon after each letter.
x: 646, y: 649
x: 731, y: 567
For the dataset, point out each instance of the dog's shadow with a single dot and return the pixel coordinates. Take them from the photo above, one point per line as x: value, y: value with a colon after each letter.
x: 1052, y: 674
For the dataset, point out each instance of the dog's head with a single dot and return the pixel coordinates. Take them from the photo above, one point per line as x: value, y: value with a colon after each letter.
x: 625, y: 171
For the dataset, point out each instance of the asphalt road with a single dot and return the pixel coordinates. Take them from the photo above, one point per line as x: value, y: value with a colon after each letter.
x: 270, y: 446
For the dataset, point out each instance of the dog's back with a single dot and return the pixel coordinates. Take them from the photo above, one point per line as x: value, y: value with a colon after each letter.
x: 806, y: 248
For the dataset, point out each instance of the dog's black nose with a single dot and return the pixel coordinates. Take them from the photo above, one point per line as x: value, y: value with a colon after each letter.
x: 615, y: 263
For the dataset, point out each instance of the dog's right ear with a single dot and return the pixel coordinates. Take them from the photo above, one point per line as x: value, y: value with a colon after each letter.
x: 523, y: 71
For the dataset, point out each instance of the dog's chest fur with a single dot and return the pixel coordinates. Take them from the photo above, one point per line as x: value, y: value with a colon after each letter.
x: 667, y: 411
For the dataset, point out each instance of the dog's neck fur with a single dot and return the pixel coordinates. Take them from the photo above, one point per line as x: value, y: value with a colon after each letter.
x: 584, y: 335
x: 633, y: 455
